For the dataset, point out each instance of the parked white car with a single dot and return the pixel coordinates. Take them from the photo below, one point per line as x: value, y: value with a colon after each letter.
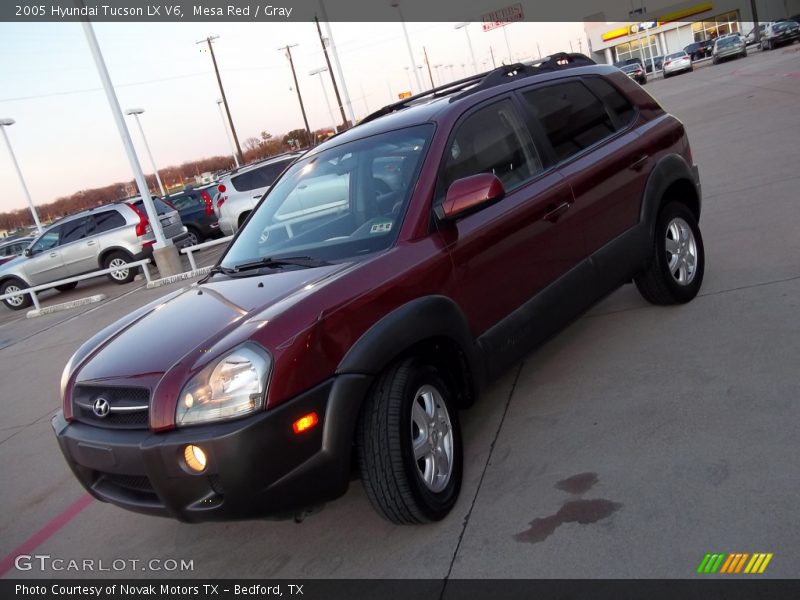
x: 239, y: 191
x: 677, y: 62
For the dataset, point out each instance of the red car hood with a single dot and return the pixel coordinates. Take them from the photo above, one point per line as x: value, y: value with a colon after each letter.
x: 194, y: 319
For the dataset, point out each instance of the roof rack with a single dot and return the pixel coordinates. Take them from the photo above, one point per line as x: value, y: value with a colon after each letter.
x: 489, y: 79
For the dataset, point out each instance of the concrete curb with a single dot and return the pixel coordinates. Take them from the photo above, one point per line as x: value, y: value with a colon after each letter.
x: 181, y: 276
x: 66, y: 305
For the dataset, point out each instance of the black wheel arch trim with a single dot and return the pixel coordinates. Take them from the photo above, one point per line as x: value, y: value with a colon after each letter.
x: 420, y: 320
x: 668, y: 170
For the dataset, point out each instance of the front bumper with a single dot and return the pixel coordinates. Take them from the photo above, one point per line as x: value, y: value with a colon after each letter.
x: 257, y: 466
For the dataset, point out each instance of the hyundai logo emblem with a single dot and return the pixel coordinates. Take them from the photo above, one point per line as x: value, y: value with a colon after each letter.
x: 101, y: 407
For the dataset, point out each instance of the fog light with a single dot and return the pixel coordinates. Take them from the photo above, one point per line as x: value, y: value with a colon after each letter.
x: 195, y: 458
x: 305, y: 423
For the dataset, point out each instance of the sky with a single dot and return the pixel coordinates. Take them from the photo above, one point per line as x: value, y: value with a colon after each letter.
x: 65, y: 138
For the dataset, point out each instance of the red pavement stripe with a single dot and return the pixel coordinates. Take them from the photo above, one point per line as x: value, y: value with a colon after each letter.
x: 45, y: 533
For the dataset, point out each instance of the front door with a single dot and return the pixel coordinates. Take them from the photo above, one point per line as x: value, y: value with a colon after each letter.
x: 45, y: 264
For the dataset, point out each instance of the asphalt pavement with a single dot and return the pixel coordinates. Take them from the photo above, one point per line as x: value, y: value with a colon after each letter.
x: 630, y: 445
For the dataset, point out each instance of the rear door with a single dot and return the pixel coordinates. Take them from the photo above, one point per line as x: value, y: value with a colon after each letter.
x: 590, y: 126
x: 78, y: 249
x: 45, y: 264
x: 507, y: 252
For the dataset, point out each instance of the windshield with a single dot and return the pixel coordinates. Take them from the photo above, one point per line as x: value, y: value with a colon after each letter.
x: 343, y: 202
x: 728, y: 41
x: 675, y: 55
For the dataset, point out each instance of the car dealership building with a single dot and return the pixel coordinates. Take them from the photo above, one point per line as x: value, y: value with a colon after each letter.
x: 661, y: 27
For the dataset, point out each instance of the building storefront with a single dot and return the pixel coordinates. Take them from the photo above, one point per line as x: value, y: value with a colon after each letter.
x: 672, y: 28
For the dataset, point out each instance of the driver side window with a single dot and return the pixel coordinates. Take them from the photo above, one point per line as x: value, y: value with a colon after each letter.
x: 492, y: 140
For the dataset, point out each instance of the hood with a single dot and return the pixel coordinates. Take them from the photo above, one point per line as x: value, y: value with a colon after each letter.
x: 194, y: 319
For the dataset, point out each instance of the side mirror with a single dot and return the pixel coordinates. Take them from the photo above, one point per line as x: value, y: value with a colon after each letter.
x: 468, y: 195
x: 27, y: 252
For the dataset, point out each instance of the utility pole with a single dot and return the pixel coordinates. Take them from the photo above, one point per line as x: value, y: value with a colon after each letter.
x: 324, y: 13
x: 208, y: 41
x: 330, y: 70
x: 288, y: 50
x: 756, y: 29
x: 427, y: 62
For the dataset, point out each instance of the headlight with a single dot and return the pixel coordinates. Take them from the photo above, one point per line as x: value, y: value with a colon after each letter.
x: 232, y: 387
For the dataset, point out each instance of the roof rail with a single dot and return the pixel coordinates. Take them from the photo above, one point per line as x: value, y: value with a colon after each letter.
x: 488, y: 79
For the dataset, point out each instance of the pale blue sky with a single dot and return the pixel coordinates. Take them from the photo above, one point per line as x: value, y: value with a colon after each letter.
x: 65, y: 138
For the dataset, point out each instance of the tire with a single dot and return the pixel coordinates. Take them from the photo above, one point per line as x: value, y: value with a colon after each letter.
x: 666, y: 75
x: 242, y: 219
x: 671, y: 278
x: 117, y: 259
x: 401, y: 489
x: 19, y: 302
x: 715, y: 61
x: 67, y: 286
x: 194, y: 236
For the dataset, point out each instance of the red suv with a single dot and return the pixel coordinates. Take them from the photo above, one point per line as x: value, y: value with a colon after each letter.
x: 387, y: 276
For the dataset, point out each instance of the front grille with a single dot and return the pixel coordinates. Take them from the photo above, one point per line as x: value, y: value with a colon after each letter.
x: 139, y: 483
x: 128, y: 407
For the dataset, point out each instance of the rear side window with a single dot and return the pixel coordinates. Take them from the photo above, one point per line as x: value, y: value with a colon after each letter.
x: 108, y: 220
x: 185, y: 201
x: 572, y: 117
x: 73, y: 231
x: 620, y: 108
x: 492, y: 140
x: 260, y: 177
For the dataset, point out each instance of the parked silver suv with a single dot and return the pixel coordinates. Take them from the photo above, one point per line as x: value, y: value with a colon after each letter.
x: 100, y: 238
x: 239, y: 191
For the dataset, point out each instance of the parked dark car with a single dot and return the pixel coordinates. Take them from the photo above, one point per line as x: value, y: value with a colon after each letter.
x: 699, y: 50
x: 779, y: 33
x: 356, y: 332
x: 635, y: 72
x: 196, y: 208
x: 658, y: 61
x: 13, y: 247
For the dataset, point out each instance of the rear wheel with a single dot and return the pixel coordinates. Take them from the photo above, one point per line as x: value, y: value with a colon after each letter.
x: 194, y: 236
x: 67, y: 286
x: 17, y: 302
x: 409, y: 445
x: 119, y: 259
x: 676, y: 269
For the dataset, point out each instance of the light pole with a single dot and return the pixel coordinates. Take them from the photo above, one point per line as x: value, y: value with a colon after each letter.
x: 469, y: 42
x: 396, y: 5
x: 136, y: 112
x: 164, y: 252
x: 7, y: 123
x: 319, y: 72
x: 410, y: 85
x: 227, y: 133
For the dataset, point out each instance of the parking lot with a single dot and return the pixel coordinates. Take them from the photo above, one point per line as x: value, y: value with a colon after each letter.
x: 630, y: 445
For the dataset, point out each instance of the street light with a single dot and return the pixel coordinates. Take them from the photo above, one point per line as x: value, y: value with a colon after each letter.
x: 396, y: 5
x: 319, y: 72
x: 136, y: 112
x: 227, y: 132
x: 7, y: 123
x: 469, y: 42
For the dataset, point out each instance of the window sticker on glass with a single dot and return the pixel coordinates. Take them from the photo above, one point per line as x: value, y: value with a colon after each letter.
x: 381, y: 227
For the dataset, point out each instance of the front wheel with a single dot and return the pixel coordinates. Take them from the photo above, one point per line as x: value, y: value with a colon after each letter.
x: 409, y: 445
x: 677, y: 265
x: 119, y: 260
x: 16, y: 302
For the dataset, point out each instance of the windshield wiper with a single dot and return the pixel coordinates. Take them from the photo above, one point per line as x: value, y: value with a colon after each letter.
x: 276, y: 261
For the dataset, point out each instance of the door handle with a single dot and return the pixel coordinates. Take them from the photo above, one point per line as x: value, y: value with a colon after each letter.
x: 639, y: 163
x: 555, y: 211
x: 91, y: 243
x: 53, y: 254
